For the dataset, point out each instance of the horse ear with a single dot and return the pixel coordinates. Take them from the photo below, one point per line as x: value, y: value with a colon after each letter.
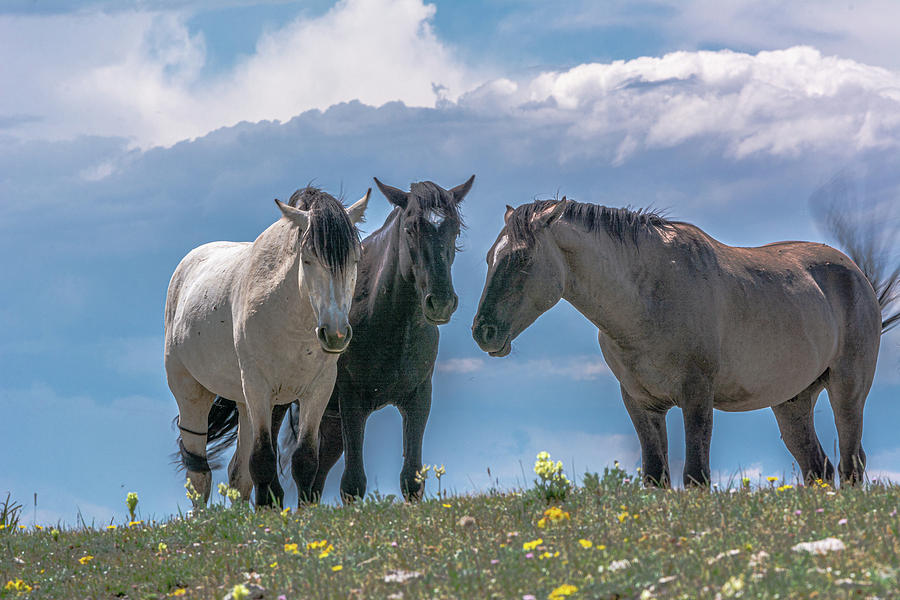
x: 394, y: 196
x: 460, y: 191
x: 550, y: 214
x: 509, y: 212
x: 357, y: 211
x: 300, y: 217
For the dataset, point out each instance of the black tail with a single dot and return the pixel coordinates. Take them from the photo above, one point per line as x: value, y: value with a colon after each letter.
x: 287, y: 437
x: 868, y: 234
x: 221, y: 433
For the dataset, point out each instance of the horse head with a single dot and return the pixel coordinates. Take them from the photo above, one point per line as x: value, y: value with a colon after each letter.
x: 526, y: 276
x: 429, y: 224
x: 329, y: 252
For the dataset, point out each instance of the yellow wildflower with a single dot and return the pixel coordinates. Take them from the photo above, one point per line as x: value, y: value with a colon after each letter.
x: 446, y: 505
x: 771, y: 479
x: 17, y: 585
x: 273, y: 565
x: 111, y: 527
x: 131, y: 501
x: 135, y: 523
x: 240, y: 592
x: 532, y: 544
x: 292, y: 548
x: 328, y: 550
x: 337, y: 567
x: 85, y: 559
x: 562, y: 591
x: 585, y: 543
x: 784, y: 487
x: 622, y: 516
x: 179, y: 592
x: 162, y: 547
x: 39, y: 527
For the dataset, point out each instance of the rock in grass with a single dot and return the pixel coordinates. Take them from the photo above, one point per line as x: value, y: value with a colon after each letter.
x: 466, y: 522
x: 400, y: 576
x: 820, y: 546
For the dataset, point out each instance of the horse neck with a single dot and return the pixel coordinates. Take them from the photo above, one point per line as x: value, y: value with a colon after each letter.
x: 603, y: 279
x: 276, y: 260
x: 380, y: 273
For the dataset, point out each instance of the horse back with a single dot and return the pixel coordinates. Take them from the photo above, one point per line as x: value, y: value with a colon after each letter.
x: 198, y: 316
x: 788, y: 311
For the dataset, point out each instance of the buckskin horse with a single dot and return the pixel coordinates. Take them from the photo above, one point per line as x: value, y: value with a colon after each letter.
x: 687, y: 321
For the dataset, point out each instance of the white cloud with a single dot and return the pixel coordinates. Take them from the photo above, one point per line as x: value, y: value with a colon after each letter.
x: 460, y: 365
x: 140, y: 74
x: 578, y: 367
x: 780, y: 103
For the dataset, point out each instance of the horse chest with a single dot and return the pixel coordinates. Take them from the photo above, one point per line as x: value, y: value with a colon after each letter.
x: 389, y: 372
x: 639, y: 370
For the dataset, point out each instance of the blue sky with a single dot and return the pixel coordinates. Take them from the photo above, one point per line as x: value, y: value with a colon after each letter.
x: 132, y: 135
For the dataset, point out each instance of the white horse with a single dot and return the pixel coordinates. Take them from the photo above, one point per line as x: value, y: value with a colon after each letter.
x: 263, y: 323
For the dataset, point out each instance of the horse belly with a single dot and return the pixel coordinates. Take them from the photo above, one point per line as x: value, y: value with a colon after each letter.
x: 769, y: 363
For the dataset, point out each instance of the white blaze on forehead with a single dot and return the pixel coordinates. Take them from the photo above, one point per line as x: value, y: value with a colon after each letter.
x: 434, y: 217
x: 500, y: 246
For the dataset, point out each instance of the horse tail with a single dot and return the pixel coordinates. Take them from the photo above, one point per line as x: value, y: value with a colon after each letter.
x: 867, y: 239
x: 287, y: 437
x: 222, y: 425
x: 221, y: 433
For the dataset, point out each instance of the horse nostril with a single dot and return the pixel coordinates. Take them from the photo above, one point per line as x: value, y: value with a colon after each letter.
x: 455, y: 302
x: 320, y: 333
x: 488, y: 333
x: 429, y: 302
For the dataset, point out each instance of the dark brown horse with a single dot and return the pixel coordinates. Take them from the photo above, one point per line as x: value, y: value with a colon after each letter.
x: 687, y: 321
x: 404, y: 291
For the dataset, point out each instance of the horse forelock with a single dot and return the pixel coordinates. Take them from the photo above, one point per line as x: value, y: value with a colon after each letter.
x: 431, y: 201
x: 622, y: 224
x: 331, y: 237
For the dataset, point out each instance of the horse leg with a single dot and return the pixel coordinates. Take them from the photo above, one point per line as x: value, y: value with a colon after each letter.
x: 305, y: 460
x: 651, y: 430
x: 239, y: 467
x: 697, y: 407
x: 262, y: 462
x: 847, y: 394
x: 353, y: 429
x: 415, y: 417
x: 331, y: 446
x: 798, y: 430
x: 194, y: 402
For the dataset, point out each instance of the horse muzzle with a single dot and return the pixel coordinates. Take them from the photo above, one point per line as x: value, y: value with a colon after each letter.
x: 490, y: 340
x: 438, y: 308
x: 333, y: 340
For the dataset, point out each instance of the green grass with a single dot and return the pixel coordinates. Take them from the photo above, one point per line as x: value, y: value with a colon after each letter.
x: 678, y: 544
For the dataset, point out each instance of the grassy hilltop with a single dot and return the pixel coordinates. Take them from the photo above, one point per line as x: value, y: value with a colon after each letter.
x: 608, y: 538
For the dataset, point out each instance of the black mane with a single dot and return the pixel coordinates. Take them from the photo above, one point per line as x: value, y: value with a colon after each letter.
x: 621, y: 223
x: 331, y: 236
x: 429, y: 196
